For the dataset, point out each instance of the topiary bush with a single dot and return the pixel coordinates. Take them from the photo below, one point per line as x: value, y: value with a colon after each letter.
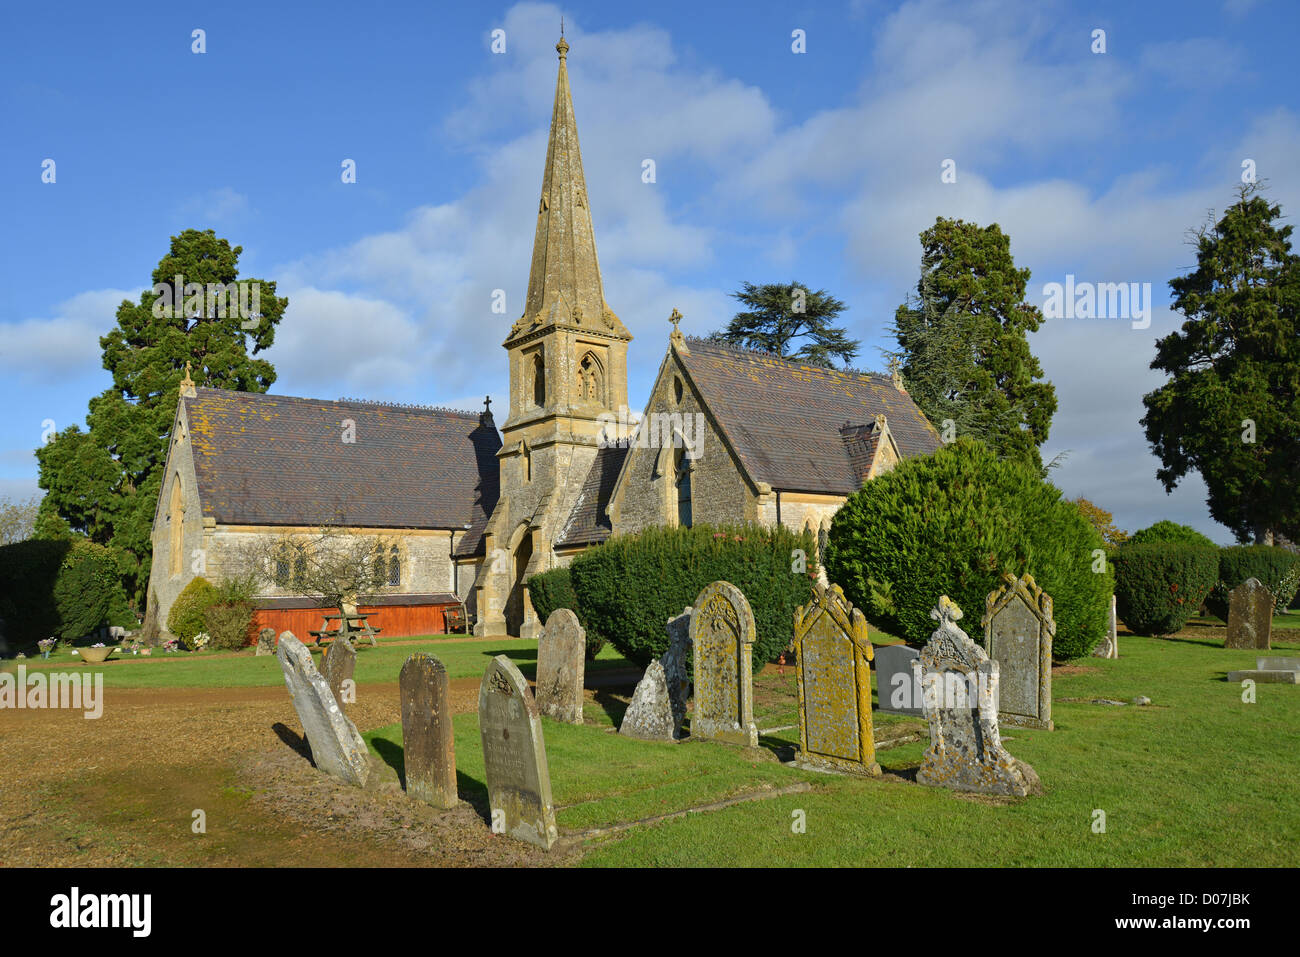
x: 1277, y: 569
x: 186, y: 618
x: 1166, y: 531
x: 950, y: 524
x: 554, y: 589
x: 628, y: 588
x: 228, y: 625
x: 88, y: 592
x: 1160, y: 585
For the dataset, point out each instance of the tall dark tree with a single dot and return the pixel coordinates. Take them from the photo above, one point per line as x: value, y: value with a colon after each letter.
x: 963, y: 341
x: 779, y: 314
x: 104, y: 481
x: 1231, y: 408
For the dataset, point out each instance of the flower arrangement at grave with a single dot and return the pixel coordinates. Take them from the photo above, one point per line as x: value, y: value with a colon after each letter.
x: 171, y: 644
x: 200, y: 641
x: 47, y: 645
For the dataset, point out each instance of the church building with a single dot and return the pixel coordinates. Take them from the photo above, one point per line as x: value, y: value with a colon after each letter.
x: 727, y: 435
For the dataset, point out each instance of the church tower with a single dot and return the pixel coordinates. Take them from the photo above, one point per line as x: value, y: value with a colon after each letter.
x: 568, y: 366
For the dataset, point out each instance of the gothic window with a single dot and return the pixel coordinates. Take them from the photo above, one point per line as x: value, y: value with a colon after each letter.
x: 539, y: 380
x: 590, y: 387
x: 528, y: 461
x: 677, y: 389
x: 290, y: 565
x: 380, y: 569
x: 823, y: 536
x: 299, y: 566
x: 176, y: 519
x: 682, y: 472
x: 394, y: 567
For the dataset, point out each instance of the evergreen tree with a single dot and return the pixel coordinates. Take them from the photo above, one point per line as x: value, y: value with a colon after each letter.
x: 104, y: 482
x: 1231, y: 408
x: 963, y: 346
x: 780, y: 314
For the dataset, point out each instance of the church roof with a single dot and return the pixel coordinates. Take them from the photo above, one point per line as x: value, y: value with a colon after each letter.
x: 784, y: 418
x: 279, y: 460
x: 588, y: 523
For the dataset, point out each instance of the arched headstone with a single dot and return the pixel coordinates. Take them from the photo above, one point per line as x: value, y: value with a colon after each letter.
x: 1018, y: 632
x: 428, y: 743
x: 561, y: 659
x: 514, y: 756
x: 722, y: 633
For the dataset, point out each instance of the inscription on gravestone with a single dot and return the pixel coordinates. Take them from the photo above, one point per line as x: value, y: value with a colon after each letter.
x: 722, y: 633
x: 1018, y: 631
x: 561, y: 657
x: 514, y: 756
x: 427, y: 740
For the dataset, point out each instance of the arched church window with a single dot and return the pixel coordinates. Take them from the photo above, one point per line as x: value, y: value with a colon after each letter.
x: 394, y: 567
x: 677, y: 389
x: 379, y: 568
x: 683, y: 476
x: 539, y: 380
x: 823, y: 536
x: 176, y: 519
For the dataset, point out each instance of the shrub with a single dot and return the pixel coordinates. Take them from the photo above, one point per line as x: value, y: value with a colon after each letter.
x: 228, y: 624
x: 950, y: 524
x: 1166, y: 531
x: 185, y: 620
x: 629, y: 587
x: 554, y: 589
x: 64, y: 588
x: 88, y: 592
x: 1277, y: 569
x: 1160, y: 585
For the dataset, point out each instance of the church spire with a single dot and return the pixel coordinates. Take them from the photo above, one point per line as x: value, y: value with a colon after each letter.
x: 564, y: 284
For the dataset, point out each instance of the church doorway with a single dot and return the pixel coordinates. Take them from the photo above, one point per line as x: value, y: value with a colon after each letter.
x: 515, y: 602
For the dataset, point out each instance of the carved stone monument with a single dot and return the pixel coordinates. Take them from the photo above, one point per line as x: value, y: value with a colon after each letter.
x: 1250, y: 616
x: 561, y: 658
x: 1109, y: 647
x: 833, y: 673
x: 336, y: 745
x: 514, y: 756
x: 1018, y: 632
x: 960, y: 690
x: 897, y: 690
x: 722, y: 633
x: 658, y: 706
x: 338, y: 666
x: 427, y: 739
x: 266, y: 642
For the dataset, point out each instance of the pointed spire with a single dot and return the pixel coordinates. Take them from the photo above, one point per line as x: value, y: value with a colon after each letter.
x: 564, y: 284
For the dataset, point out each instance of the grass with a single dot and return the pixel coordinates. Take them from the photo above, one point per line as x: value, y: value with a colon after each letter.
x: 462, y: 657
x: 1197, y: 779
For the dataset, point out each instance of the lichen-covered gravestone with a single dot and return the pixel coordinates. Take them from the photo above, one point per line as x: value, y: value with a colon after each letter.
x: 1018, y: 632
x: 1250, y: 616
x: 561, y: 657
x: 833, y: 673
x: 266, y: 642
x: 427, y: 741
x: 514, y: 756
x: 338, y: 667
x: 959, y: 685
x: 1109, y: 647
x: 658, y: 706
x: 336, y: 745
x: 722, y: 633
x: 897, y: 690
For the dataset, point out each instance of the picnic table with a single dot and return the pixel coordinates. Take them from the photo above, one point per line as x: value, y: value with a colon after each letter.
x: 347, y: 628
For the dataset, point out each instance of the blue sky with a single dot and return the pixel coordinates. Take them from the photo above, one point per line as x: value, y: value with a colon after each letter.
x: 770, y: 166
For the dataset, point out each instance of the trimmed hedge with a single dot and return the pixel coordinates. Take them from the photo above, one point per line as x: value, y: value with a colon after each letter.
x: 1167, y: 531
x: 628, y: 588
x: 950, y: 524
x: 1160, y: 585
x: 186, y: 617
x: 1277, y: 569
x: 554, y: 589
x: 65, y: 588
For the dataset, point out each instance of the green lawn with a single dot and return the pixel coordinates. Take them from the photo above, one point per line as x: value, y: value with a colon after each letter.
x: 463, y: 658
x: 1197, y: 779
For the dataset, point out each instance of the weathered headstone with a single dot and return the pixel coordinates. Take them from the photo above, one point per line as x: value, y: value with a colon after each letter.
x: 722, y: 633
x: 1276, y: 676
x: 1277, y: 663
x: 1018, y: 632
x: 514, y: 756
x: 658, y: 706
x: 897, y: 690
x: 427, y: 739
x: 833, y: 673
x: 338, y: 666
x: 561, y: 658
x: 336, y: 745
x: 1109, y: 647
x: 1250, y: 616
x: 266, y: 641
x: 960, y: 692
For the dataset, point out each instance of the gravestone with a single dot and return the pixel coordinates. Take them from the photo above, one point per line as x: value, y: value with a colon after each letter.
x: 960, y: 692
x: 897, y: 690
x: 658, y: 706
x: 427, y: 740
x: 1279, y: 676
x: 338, y: 666
x: 833, y: 674
x: 514, y: 756
x: 336, y: 745
x: 722, y: 633
x: 1276, y: 663
x: 1018, y: 632
x: 1109, y: 647
x: 1250, y: 616
x: 561, y: 657
x: 266, y: 641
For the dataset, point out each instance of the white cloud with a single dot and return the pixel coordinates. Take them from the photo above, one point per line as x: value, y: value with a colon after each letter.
x: 65, y: 344
x: 216, y: 205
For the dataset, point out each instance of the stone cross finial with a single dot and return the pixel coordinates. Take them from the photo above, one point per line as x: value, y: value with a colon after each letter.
x: 676, y: 336
x: 187, y: 384
x: 947, y: 612
x: 487, y: 404
x: 895, y: 373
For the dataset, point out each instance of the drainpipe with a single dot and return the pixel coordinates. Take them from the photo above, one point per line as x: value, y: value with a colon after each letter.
x: 778, y: 507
